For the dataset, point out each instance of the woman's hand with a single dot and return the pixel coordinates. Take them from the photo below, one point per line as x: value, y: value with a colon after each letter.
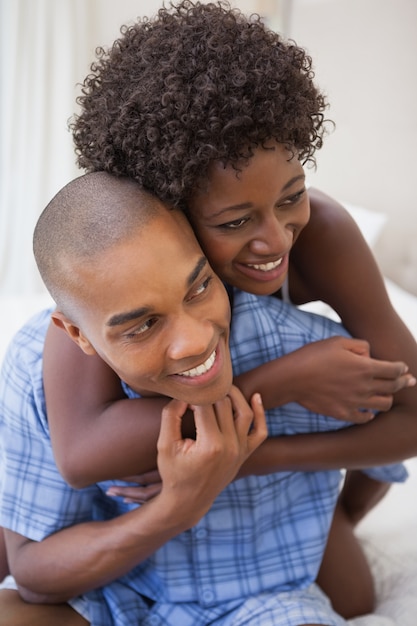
x: 343, y: 381
x: 144, y: 487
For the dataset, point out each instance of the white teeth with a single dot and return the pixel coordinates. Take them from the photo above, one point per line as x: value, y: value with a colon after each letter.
x: 266, y: 267
x: 201, y: 369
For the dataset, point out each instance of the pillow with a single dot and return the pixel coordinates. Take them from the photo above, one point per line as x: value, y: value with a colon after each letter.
x: 371, y: 223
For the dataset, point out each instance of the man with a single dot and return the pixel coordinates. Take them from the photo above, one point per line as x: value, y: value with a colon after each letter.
x: 149, y: 305
x: 85, y: 228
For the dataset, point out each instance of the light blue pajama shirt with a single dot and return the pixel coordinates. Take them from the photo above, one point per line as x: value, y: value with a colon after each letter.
x: 252, y: 559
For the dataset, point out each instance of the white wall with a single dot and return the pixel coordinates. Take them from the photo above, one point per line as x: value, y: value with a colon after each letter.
x: 111, y: 14
x: 46, y: 47
x: 365, y: 54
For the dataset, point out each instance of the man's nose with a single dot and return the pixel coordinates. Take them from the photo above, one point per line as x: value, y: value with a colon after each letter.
x: 191, y: 337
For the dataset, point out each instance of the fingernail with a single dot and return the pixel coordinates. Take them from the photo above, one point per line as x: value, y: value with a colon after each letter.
x: 258, y: 398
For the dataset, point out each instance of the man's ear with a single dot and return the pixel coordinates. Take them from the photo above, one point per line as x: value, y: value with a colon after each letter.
x: 60, y: 320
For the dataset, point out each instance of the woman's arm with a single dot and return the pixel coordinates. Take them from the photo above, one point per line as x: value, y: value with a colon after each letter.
x: 96, y: 432
x: 335, y: 377
x: 99, y: 434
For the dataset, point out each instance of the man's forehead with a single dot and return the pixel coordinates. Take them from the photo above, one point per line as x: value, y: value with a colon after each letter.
x: 168, y: 224
x: 165, y: 244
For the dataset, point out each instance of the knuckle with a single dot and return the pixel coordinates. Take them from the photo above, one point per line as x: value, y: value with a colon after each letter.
x: 162, y: 446
x: 215, y: 449
x: 226, y: 401
x: 386, y: 403
x: 247, y: 414
x: 345, y: 414
x: 263, y: 430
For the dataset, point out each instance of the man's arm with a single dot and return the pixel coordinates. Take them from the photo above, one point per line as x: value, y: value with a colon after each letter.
x: 193, y: 472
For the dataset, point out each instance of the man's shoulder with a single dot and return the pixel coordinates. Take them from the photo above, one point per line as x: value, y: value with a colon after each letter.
x: 27, y: 344
x: 282, y: 315
x: 21, y: 381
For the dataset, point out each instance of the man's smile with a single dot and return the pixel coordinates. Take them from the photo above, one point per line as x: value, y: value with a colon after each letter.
x: 200, y: 369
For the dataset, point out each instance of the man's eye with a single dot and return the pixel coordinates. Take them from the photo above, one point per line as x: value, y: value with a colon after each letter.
x: 143, y: 328
x: 235, y: 224
x: 202, y: 287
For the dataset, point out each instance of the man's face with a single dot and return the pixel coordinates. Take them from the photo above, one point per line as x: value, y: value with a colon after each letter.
x: 154, y: 310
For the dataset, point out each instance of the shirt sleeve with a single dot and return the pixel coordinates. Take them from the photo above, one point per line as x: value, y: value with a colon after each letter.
x: 395, y: 473
x: 35, y: 500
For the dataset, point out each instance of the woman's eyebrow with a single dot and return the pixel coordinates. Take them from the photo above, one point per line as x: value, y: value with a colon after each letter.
x: 233, y: 207
x: 248, y: 205
x: 293, y: 180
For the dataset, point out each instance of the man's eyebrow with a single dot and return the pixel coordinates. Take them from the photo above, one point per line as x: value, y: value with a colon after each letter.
x: 201, y: 263
x: 122, y: 318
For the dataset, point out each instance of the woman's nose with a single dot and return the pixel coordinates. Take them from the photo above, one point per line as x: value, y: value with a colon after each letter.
x: 272, y: 237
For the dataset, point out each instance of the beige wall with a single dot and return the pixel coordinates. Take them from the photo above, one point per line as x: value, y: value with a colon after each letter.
x: 365, y: 54
x: 109, y: 15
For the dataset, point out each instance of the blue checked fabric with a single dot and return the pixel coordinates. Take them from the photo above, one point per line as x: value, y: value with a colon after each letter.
x: 252, y: 559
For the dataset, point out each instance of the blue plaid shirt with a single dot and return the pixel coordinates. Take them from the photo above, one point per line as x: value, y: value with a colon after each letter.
x: 262, y: 534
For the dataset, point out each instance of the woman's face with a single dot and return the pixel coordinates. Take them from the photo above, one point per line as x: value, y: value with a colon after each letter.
x: 247, y: 222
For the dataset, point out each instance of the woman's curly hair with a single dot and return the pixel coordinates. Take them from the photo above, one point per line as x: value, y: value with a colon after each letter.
x: 197, y: 83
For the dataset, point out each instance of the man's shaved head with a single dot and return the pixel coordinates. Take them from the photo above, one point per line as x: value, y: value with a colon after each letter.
x: 88, y: 216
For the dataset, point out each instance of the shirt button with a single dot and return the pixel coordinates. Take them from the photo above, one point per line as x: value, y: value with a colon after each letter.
x: 208, y: 596
x: 201, y: 533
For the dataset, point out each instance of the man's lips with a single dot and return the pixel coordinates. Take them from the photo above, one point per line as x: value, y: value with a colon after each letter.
x: 201, y: 369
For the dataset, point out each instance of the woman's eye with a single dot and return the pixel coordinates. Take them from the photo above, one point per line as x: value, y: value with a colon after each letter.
x: 235, y: 223
x: 294, y: 198
x: 202, y: 287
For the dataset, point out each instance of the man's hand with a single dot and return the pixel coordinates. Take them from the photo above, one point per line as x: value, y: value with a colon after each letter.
x: 227, y: 432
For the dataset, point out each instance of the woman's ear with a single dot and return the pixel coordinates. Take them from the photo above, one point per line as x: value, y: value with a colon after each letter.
x: 73, y: 331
